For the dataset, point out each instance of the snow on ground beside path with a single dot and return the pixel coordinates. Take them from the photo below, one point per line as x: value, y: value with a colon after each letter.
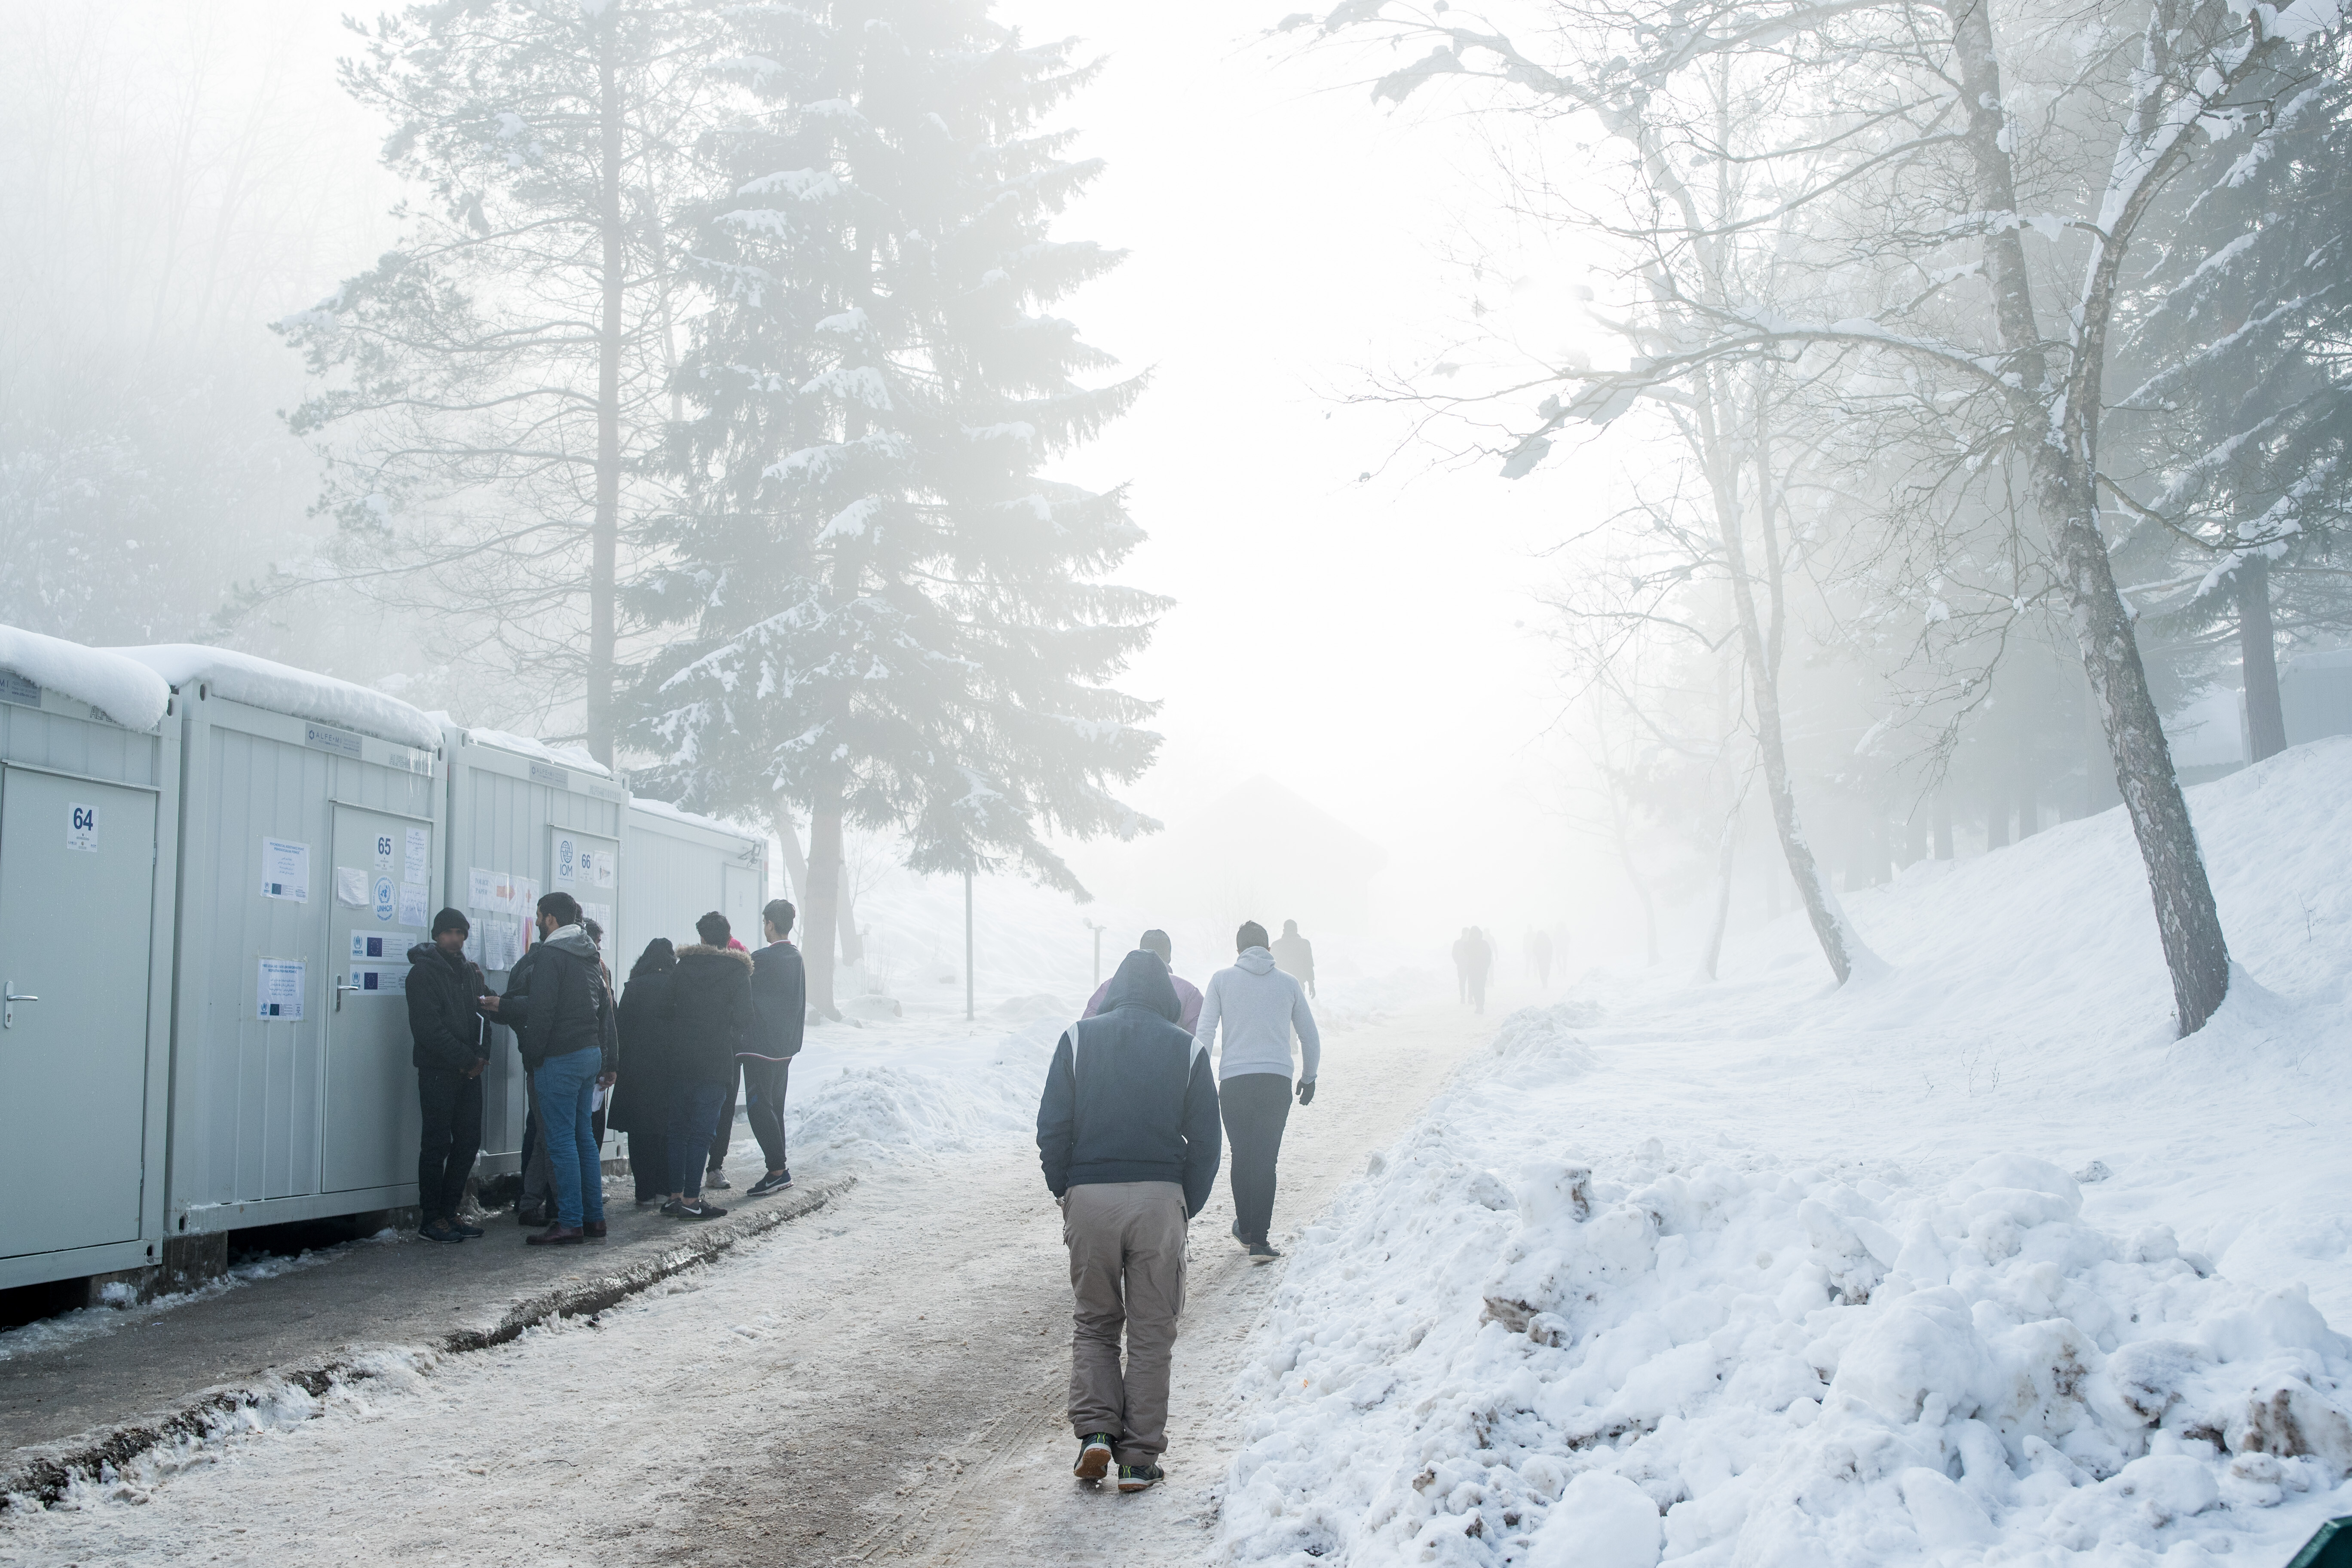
x: 1971, y: 1263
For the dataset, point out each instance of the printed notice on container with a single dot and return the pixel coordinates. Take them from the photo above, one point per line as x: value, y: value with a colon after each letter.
x: 351, y: 886
x: 278, y: 994
x: 81, y: 827
x: 414, y: 864
x: 285, y: 870
x: 412, y: 903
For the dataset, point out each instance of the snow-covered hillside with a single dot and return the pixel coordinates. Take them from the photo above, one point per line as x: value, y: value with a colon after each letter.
x: 1972, y: 1262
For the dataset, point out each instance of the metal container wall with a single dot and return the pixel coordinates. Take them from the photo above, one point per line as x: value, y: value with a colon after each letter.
x: 520, y: 826
x: 681, y: 868
x: 89, y: 839
x: 309, y: 860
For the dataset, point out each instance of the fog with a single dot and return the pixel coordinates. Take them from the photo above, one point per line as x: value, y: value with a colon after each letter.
x: 1450, y: 410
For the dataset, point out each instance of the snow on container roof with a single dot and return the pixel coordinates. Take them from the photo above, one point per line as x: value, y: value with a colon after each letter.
x: 282, y: 688
x: 677, y: 814
x: 523, y: 745
x: 126, y: 691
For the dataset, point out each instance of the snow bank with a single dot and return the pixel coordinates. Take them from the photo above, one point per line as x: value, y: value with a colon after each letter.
x: 911, y: 1094
x: 123, y: 689
x: 1972, y: 1263
x: 281, y: 689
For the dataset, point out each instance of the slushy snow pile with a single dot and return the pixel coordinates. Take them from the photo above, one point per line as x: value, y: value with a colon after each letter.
x: 1971, y: 1264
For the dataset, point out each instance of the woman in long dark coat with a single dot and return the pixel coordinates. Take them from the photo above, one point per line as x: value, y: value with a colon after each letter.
x: 640, y: 1095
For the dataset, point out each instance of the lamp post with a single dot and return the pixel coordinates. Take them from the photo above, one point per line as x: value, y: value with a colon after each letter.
x: 1098, y: 930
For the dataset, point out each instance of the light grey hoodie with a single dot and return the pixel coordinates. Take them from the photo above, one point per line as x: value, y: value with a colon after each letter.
x: 1259, y: 1005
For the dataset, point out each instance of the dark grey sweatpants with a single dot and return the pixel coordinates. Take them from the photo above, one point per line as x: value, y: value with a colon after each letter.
x: 1127, y: 1271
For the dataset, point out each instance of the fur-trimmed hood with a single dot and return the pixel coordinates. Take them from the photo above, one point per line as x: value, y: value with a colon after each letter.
x: 704, y: 950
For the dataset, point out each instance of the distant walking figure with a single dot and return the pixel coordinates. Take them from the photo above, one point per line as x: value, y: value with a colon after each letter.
x: 1296, y: 954
x: 1475, y: 955
x: 1539, y: 949
x: 1127, y: 1133
x: 1258, y: 1006
x: 1188, y: 995
x: 1463, y: 947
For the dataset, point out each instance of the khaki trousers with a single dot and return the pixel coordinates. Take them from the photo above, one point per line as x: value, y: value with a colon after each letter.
x: 1126, y: 1270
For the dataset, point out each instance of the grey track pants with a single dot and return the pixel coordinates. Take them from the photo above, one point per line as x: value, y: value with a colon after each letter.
x: 1126, y: 1270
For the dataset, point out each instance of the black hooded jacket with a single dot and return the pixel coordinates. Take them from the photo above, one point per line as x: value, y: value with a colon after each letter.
x: 445, y: 1027
x: 648, y: 1018
x: 711, y: 1001
x: 1131, y: 1096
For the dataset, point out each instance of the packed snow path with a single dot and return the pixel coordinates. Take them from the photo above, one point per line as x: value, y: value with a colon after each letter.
x: 880, y: 1382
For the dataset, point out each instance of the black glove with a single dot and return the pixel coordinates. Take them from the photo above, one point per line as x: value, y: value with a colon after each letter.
x: 1306, y: 1092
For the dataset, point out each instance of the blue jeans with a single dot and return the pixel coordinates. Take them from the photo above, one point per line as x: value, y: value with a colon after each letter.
x: 693, y: 1114
x: 567, y: 1100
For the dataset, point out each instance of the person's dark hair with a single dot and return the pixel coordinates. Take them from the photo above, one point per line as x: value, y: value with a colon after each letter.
x: 1157, y: 942
x: 658, y: 957
x: 1290, y: 928
x: 595, y: 933
x: 562, y: 906
x: 713, y: 929
x: 452, y: 920
x: 778, y: 913
x: 1252, y: 934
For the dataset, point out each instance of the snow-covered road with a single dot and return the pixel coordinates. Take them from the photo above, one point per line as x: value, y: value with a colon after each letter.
x: 880, y: 1382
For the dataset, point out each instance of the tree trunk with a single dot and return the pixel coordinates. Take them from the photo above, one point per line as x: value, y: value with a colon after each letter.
x: 2028, y: 811
x: 1997, y: 806
x: 2258, y: 661
x: 788, y: 833
x: 1725, y: 844
x: 823, y: 902
x: 1943, y: 822
x: 1763, y: 648
x: 605, y: 536
x: 2062, y: 424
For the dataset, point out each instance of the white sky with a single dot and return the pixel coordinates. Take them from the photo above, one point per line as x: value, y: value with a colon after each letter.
x: 1358, y: 641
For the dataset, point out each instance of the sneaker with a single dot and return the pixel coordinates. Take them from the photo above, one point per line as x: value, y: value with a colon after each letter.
x: 1139, y: 1477
x: 534, y: 1217
x: 701, y: 1208
x: 773, y: 1182
x: 469, y: 1232
x: 593, y: 1227
x: 1262, y: 1252
x: 1094, y: 1456
x: 556, y: 1236
x: 716, y: 1180
x: 1237, y: 1233
x: 673, y: 1208
x: 438, y: 1231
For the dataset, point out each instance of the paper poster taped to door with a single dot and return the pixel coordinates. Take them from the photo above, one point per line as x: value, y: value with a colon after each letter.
x: 286, y: 871
x: 278, y: 994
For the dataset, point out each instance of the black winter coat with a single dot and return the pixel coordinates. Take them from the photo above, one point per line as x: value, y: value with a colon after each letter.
x: 779, y: 1002
x: 711, y: 1003
x: 557, y: 1003
x: 446, y: 1030
x: 1131, y: 1096
x: 649, y: 1022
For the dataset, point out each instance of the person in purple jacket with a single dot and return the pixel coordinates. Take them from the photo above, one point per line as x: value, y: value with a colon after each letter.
x: 1188, y: 995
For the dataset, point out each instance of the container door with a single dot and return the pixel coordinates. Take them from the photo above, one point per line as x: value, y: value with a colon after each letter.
x: 740, y: 902
x: 587, y: 866
x: 382, y: 906
x: 76, y: 903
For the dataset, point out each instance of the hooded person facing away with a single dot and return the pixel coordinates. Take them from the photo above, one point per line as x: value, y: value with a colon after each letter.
x: 1188, y: 995
x: 1127, y: 1133
x: 1258, y: 1005
x: 711, y: 1004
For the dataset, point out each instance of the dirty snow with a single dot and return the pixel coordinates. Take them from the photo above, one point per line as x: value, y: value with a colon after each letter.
x: 1970, y: 1263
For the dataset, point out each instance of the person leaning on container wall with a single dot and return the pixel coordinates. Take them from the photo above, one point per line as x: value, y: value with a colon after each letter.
x: 450, y: 1046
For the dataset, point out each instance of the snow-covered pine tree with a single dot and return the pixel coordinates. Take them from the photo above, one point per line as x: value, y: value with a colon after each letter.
x: 489, y: 394
x: 892, y: 617
x: 2240, y: 422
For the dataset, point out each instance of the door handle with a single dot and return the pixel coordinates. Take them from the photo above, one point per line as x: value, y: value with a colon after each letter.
x: 8, y: 1000
x: 340, y: 989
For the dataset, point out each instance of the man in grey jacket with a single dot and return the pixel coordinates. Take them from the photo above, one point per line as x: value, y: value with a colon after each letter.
x: 1258, y: 1006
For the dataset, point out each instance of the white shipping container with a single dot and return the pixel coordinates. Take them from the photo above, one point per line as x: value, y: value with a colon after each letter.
x: 309, y: 858
x: 88, y: 817
x: 681, y: 867
x: 524, y: 820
